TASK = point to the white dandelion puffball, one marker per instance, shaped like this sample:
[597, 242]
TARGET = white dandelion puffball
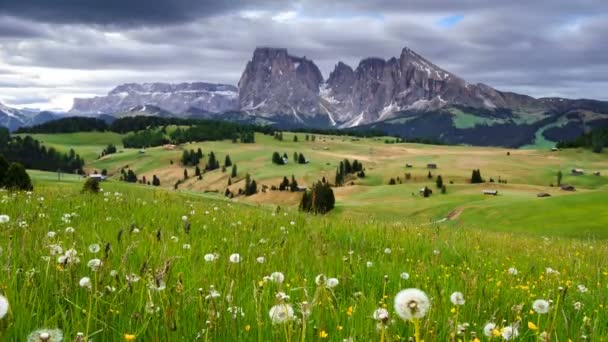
[235, 258]
[94, 248]
[69, 230]
[209, 257]
[85, 282]
[186, 246]
[277, 277]
[281, 313]
[4, 219]
[582, 288]
[405, 276]
[541, 306]
[387, 251]
[48, 335]
[332, 282]
[513, 271]
[51, 234]
[185, 218]
[94, 264]
[380, 315]
[369, 264]
[3, 306]
[488, 329]
[457, 298]
[411, 304]
[510, 332]
[260, 260]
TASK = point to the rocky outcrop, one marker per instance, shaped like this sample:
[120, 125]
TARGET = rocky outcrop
[276, 83]
[175, 98]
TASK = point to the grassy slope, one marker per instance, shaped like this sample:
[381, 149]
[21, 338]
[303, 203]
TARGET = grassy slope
[527, 171]
[438, 260]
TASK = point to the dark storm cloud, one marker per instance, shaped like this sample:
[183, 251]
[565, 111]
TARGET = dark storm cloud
[541, 48]
[125, 12]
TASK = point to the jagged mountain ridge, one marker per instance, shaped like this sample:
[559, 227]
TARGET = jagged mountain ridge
[175, 98]
[13, 118]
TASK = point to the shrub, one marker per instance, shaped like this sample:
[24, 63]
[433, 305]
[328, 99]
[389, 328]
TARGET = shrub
[319, 200]
[16, 178]
[91, 186]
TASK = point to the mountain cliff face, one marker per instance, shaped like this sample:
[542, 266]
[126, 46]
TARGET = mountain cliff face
[13, 119]
[275, 83]
[175, 98]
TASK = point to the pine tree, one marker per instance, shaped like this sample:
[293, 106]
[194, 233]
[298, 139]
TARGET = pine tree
[439, 182]
[295, 138]
[430, 175]
[294, 184]
[276, 158]
[227, 161]
[233, 174]
[559, 178]
[185, 158]
[301, 159]
[155, 181]
[197, 171]
[199, 153]
[185, 174]
[284, 184]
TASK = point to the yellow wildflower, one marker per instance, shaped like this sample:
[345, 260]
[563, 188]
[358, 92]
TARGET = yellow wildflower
[323, 334]
[532, 326]
[129, 337]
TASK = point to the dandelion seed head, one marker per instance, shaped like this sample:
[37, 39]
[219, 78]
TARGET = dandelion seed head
[411, 304]
[457, 298]
[488, 329]
[3, 306]
[281, 313]
[332, 282]
[85, 282]
[541, 306]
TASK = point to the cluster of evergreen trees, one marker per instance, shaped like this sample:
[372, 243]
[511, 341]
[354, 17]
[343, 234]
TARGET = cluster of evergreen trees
[192, 158]
[212, 163]
[595, 140]
[287, 185]
[13, 176]
[476, 177]
[346, 168]
[68, 125]
[319, 200]
[212, 131]
[278, 159]
[251, 187]
[145, 138]
[30, 153]
[128, 176]
[110, 149]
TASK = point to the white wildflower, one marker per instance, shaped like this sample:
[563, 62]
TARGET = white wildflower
[541, 306]
[235, 258]
[85, 282]
[510, 332]
[332, 282]
[488, 329]
[281, 313]
[3, 306]
[405, 276]
[411, 304]
[457, 298]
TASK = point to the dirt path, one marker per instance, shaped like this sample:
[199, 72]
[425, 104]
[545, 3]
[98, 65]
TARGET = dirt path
[454, 214]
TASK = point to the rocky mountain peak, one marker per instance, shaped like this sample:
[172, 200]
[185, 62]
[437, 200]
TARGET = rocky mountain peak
[275, 82]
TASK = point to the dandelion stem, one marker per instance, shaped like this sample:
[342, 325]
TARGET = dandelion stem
[417, 330]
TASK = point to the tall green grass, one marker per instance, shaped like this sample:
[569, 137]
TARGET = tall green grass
[143, 232]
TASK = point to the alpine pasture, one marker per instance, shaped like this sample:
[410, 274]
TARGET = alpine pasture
[137, 262]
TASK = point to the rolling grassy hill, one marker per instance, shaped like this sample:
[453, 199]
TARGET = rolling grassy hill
[516, 208]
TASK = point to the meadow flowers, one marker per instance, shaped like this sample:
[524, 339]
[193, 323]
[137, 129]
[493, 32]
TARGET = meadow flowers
[94, 264]
[3, 306]
[488, 329]
[332, 282]
[45, 335]
[4, 219]
[235, 258]
[85, 282]
[510, 332]
[411, 304]
[512, 271]
[380, 315]
[277, 277]
[405, 276]
[457, 298]
[209, 257]
[541, 306]
[281, 313]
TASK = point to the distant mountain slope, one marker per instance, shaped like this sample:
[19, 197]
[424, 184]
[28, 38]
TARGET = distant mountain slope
[174, 98]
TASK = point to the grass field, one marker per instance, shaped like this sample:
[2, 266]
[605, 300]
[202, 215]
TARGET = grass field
[516, 208]
[152, 265]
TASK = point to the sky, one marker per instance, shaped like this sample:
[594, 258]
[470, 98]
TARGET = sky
[53, 51]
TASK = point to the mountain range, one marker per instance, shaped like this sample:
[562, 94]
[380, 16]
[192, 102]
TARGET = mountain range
[407, 96]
